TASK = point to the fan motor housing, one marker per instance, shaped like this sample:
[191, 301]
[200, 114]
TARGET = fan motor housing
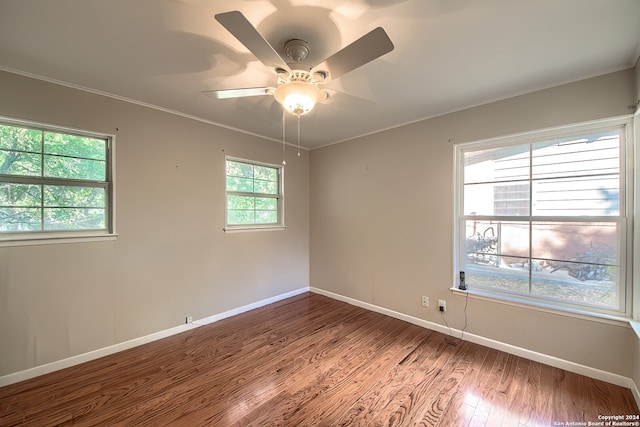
[297, 50]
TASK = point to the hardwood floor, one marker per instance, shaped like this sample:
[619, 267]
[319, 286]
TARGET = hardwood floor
[311, 361]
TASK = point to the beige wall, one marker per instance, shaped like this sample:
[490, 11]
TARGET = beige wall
[171, 257]
[381, 221]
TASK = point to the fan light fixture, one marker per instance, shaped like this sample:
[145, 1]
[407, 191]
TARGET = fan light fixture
[298, 97]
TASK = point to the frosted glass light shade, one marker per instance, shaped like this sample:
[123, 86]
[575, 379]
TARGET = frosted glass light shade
[297, 97]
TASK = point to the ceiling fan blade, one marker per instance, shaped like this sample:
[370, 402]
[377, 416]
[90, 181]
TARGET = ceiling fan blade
[333, 93]
[367, 48]
[238, 93]
[245, 32]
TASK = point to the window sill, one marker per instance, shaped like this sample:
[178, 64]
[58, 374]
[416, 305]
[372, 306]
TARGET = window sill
[242, 229]
[547, 308]
[54, 239]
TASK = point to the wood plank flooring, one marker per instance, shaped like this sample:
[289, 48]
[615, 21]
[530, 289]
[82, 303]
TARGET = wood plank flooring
[311, 361]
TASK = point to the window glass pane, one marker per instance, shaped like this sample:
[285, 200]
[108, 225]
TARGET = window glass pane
[584, 196]
[74, 219]
[240, 217]
[240, 210]
[240, 202]
[563, 243]
[20, 163]
[73, 168]
[509, 280]
[593, 154]
[578, 262]
[497, 164]
[266, 173]
[485, 239]
[239, 169]
[75, 146]
[266, 187]
[19, 195]
[20, 219]
[477, 199]
[564, 287]
[20, 139]
[244, 177]
[76, 197]
[266, 217]
[511, 199]
[497, 255]
[266, 203]
[239, 184]
[252, 210]
[503, 280]
[508, 199]
[481, 243]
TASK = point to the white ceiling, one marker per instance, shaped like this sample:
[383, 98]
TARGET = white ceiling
[449, 54]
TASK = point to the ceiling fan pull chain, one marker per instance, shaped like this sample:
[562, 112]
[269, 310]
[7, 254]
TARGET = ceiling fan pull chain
[284, 162]
[298, 136]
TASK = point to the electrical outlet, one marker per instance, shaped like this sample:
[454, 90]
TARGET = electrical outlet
[189, 319]
[442, 305]
[425, 301]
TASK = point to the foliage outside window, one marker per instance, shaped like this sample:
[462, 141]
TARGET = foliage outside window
[543, 218]
[53, 181]
[254, 194]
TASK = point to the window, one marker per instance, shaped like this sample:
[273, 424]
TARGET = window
[254, 195]
[544, 218]
[53, 182]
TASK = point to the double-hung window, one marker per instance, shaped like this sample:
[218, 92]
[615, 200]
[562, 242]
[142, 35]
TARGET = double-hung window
[54, 182]
[254, 195]
[545, 218]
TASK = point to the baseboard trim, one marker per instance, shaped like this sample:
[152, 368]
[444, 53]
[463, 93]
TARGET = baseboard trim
[487, 342]
[249, 307]
[106, 351]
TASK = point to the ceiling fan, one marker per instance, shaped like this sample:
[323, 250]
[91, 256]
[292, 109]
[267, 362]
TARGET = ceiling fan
[297, 83]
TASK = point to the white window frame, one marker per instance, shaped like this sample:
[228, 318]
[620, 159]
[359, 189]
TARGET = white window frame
[627, 199]
[280, 198]
[43, 237]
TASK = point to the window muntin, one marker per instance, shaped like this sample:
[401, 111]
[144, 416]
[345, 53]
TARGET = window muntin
[254, 195]
[53, 180]
[544, 220]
